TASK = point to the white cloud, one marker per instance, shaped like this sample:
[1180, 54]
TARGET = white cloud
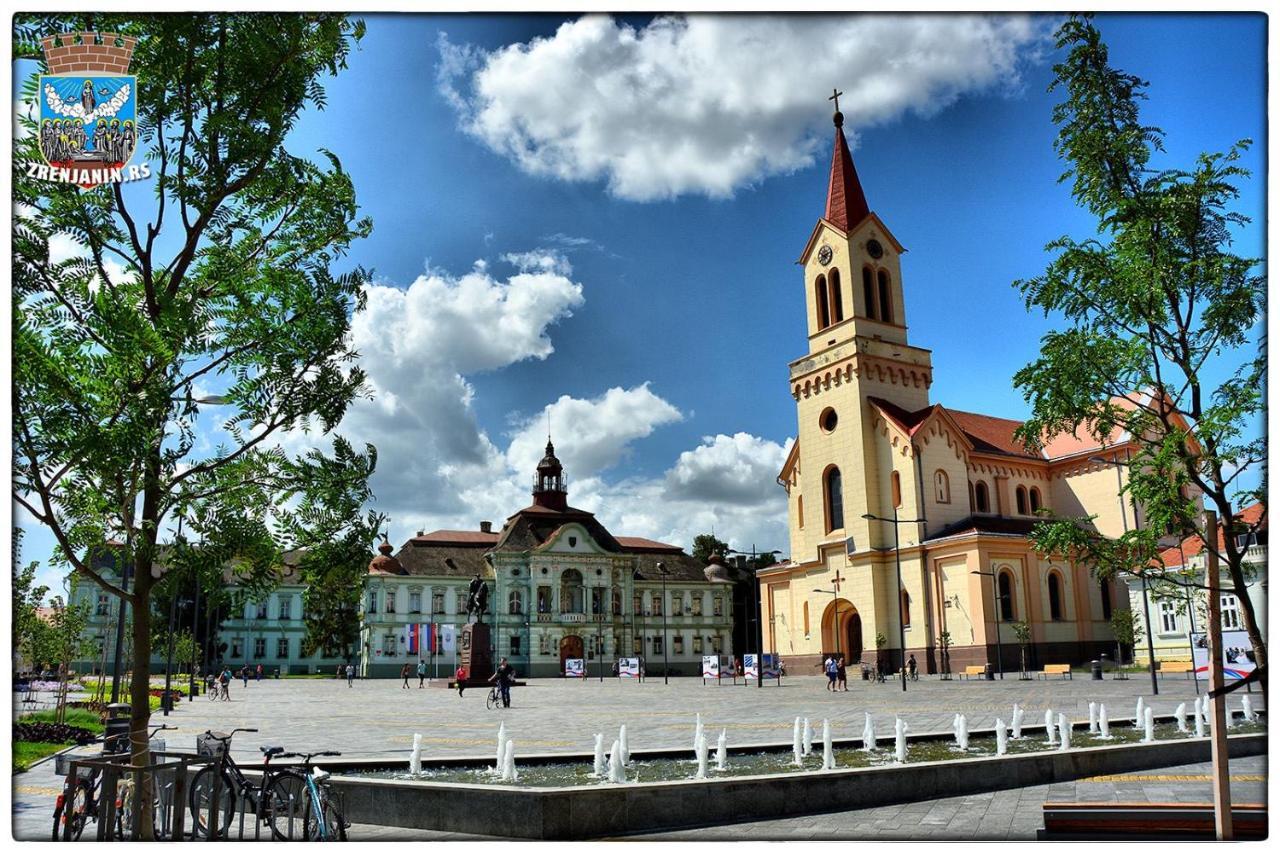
[706, 104]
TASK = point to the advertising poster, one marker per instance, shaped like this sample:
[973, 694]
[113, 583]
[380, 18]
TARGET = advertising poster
[750, 666]
[628, 667]
[575, 668]
[1237, 655]
[770, 666]
[710, 666]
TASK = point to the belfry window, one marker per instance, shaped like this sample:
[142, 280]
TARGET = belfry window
[980, 501]
[1021, 497]
[824, 309]
[836, 300]
[1035, 500]
[834, 499]
[886, 298]
[941, 487]
[869, 292]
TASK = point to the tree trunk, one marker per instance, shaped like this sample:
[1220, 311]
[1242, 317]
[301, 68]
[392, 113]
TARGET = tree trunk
[140, 697]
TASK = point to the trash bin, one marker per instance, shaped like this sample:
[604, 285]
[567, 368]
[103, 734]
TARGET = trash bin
[1097, 670]
[989, 673]
[166, 700]
[116, 734]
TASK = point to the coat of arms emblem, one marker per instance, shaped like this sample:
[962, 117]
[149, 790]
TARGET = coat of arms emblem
[88, 107]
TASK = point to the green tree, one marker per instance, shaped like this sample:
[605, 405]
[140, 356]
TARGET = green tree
[1022, 633]
[1127, 630]
[60, 639]
[1156, 306]
[28, 597]
[706, 544]
[219, 274]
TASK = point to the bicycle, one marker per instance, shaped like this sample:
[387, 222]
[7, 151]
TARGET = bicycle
[80, 799]
[494, 699]
[270, 799]
[323, 820]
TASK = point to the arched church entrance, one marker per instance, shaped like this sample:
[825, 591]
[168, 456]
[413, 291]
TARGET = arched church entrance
[570, 648]
[842, 630]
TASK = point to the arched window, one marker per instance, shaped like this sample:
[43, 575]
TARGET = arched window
[806, 618]
[800, 510]
[980, 501]
[1104, 589]
[835, 499]
[906, 609]
[869, 292]
[1035, 500]
[941, 487]
[1021, 498]
[837, 299]
[515, 602]
[1055, 596]
[886, 298]
[571, 597]
[1005, 594]
[820, 294]
[895, 484]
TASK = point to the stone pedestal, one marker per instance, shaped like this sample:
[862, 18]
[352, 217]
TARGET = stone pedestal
[474, 653]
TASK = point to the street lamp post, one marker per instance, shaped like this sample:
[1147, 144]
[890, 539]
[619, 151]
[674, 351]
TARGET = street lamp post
[662, 570]
[995, 616]
[897, 559]
[1146, 600]
[755, 637]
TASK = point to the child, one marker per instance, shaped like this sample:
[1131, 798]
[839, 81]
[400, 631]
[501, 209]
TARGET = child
[460, 675]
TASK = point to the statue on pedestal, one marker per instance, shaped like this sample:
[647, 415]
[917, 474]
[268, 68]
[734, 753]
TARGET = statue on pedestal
[477, 599]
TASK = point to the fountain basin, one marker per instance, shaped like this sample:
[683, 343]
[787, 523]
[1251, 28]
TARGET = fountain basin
[595, 811]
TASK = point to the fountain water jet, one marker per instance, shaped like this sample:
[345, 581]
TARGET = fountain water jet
[722, 751]
[962, 731]
[617, 766]
[502, 747]
[1104, 725]
[1002, 738]
[697, 732]
[1064, 733]
[797, 745]
[626, 750]
[828, 754]
[509, 762]
[1018, 714]
[599, 769]
[1180, 716]
[868, 734]
[1049, 727]
[899, 741]
[1137, 714]
[701, 750]
[1199, 721]
[1093, 718]
[1250, 715]
[1148, 726]
[808, 737]
[415, 757]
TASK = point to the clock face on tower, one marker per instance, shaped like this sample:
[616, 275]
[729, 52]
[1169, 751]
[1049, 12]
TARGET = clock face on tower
[874, 249]
[824, 255]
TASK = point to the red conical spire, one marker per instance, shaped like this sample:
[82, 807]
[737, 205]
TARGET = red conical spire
[846, 204]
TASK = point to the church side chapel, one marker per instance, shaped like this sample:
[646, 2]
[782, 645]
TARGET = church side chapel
[963, 491]
[560, 587]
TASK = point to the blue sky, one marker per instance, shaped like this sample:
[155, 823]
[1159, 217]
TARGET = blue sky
[664, 271]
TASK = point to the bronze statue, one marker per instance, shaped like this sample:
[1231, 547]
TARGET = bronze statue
[477, 598]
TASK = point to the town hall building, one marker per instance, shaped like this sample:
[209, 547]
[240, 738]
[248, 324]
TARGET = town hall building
[961, 490]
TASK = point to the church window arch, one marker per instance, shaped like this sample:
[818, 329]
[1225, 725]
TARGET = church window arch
[1104, 590]
[1055, 596]
[981, 501]
[571, 592]
[906, 609]
[800, 510]
[1021, 499]
[942, 486]
[1005, 595]
[805, 613]
[824, 307]
[833, 492]
[886, 297]
[837, 299]
[1035, 500]
[895, 486]
[869, 292]
[515, 602]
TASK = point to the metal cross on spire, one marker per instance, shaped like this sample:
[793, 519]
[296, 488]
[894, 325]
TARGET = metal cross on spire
[835, 96]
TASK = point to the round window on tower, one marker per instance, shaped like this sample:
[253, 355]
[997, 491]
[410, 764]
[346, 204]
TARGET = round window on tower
[828, 420]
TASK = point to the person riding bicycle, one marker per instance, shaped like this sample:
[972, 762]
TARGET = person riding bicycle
[911, 667]
[504, 675]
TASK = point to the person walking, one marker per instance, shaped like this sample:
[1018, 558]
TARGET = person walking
[504, 675]
[225, 693]
[351, 674]
[244, 674]
[404, 673]
[911, 667]
[258, 674]
[422, 674]
[832, 672]
[460, 676]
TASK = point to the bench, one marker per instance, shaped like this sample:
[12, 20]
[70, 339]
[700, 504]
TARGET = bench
[1184, 666]
[980, 671]
[1135, 821]
[1063, 669]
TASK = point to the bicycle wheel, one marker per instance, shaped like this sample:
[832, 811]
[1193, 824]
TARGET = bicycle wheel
[124, 814]
[285, 808]
[492, 701]
[73, 811]
[201, 801]
[335, 828]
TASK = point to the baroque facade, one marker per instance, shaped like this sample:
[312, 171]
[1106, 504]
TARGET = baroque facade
[960, 489]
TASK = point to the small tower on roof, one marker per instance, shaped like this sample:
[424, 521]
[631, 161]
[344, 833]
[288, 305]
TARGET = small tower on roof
[549, 483]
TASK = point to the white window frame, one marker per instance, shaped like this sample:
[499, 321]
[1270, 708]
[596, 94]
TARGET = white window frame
[1168, 617]
[1230, 613]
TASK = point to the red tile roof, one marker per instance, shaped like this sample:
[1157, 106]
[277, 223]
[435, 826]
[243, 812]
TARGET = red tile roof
[1193, 545]
[990, 434]
[457, 537]
[639, 543]
[846, 203]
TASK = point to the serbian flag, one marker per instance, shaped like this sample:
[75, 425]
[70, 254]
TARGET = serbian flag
[412, 635]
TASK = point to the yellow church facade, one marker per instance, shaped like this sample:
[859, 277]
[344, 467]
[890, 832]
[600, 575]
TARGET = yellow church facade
[964, 492]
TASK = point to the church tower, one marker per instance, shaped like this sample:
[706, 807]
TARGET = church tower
[858, 358]
[549, 489]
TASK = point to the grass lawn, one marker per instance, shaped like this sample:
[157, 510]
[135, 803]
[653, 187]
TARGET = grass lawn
[26, 754]
[77, 717]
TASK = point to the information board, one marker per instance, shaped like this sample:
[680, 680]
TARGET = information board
[575, 668]
[1237, 655]
[628, 667]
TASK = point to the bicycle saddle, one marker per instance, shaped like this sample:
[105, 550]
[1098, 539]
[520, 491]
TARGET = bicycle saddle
[271, 750]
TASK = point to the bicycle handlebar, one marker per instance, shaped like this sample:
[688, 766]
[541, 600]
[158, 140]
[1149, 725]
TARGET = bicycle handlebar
[161, 727]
